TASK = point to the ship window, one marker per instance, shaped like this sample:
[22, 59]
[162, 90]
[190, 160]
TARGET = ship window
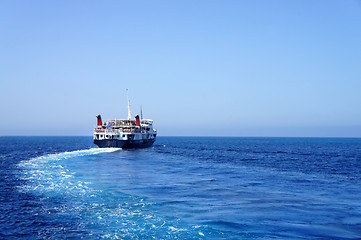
[124, 135]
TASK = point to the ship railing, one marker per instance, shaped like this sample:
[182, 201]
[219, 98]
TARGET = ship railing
[106, 130]
[133, 130]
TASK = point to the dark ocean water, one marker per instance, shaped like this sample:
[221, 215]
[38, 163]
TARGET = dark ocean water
[181, 188]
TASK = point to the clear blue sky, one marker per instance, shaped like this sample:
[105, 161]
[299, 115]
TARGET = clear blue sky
[198, 68]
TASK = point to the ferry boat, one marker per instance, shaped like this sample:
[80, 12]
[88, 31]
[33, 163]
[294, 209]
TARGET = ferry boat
[124, 133]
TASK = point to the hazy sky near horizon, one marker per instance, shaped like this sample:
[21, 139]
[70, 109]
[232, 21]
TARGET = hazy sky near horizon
[198, 68]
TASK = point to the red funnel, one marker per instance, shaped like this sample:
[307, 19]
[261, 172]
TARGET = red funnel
[99, 121]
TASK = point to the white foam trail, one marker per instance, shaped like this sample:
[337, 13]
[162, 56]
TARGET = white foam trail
[66, 155]
[46, 174]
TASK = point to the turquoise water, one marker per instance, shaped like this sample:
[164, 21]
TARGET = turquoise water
[181, 188]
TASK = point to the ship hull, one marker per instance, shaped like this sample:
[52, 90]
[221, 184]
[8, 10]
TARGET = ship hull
[115, 143]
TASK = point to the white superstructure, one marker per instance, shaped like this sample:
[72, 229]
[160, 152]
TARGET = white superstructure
[125, 129]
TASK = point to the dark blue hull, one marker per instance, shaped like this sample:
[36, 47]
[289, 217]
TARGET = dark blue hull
[115, 143]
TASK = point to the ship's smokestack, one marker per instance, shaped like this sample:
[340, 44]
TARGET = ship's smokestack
[137, 121]
[99, 118]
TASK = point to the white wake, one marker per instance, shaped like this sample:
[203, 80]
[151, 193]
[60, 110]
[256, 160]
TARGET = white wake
[47, 174]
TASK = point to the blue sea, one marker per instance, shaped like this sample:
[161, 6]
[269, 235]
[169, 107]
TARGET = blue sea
[181, 188]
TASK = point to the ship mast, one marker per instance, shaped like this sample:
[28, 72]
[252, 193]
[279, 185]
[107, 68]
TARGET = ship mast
[129, 114]
[141, 113]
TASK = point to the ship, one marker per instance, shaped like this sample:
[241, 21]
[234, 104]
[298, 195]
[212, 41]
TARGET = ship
[125, 133]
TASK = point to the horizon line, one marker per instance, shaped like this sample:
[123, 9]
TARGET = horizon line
[200, 136]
